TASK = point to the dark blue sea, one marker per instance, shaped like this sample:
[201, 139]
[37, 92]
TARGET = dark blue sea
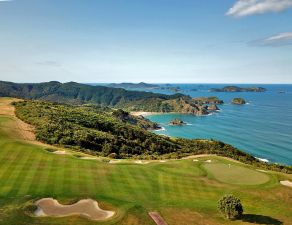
[262, 127]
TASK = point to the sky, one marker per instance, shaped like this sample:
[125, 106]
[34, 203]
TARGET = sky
[156, 41]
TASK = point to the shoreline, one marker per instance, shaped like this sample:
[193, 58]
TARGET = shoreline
[141, 113]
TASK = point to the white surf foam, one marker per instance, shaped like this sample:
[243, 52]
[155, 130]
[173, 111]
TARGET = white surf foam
[263, 160]
[161, 129]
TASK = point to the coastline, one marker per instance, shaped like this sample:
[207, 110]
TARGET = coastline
[140, 113]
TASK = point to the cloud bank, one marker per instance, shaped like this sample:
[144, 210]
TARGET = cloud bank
[252, 7]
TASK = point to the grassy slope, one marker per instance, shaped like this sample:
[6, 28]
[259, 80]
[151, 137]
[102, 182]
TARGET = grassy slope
[182, 191]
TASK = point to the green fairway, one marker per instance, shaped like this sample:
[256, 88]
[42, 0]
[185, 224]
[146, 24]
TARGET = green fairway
[182, 191]
[236, 174]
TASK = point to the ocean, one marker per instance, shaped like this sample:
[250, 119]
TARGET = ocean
[262, 127]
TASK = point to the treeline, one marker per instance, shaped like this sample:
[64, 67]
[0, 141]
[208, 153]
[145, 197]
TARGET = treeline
[106, 132]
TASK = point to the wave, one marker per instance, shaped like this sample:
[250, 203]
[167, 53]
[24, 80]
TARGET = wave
[263, 160]
[161, 129]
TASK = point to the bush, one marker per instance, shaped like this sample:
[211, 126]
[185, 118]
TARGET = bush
[230, 206]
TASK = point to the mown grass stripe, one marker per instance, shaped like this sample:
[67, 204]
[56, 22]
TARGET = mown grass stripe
[28, 186]
[50, 182]
[20, 174]
[8, 170]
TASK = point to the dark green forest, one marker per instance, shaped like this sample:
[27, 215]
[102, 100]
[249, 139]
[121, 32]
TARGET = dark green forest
[103, 131]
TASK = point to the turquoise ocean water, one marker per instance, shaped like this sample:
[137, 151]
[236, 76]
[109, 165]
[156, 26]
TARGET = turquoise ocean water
[263, 127]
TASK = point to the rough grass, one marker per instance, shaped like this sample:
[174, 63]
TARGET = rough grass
[183, 191]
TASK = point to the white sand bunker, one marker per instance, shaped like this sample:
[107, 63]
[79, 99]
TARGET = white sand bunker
[87, 208]
[60, 152]
[286, 183]
[208, 161]
[264, 171]
[115, 161]
[141, 162]
[88, 158]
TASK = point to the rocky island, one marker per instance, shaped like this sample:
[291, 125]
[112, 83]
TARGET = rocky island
[238, 89]
[208, 100]
[177, 122]
[238, 101]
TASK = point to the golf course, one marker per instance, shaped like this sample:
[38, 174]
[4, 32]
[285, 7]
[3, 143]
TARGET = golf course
[182, 191]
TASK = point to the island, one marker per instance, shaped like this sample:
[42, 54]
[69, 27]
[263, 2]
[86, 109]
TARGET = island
[208, 100]
[238, 101]
[238, 89]
[140, 85]
[177, 122]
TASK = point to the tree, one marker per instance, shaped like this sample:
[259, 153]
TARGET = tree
[230, 206]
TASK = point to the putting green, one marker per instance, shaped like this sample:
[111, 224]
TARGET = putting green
[235, 174]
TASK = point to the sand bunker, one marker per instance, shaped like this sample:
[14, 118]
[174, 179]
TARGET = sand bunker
[208, 161]
[264, 171]
[87, 208]
[88, 158]
[115, 161]
[286, 183]
[60, 152]
[195, 160]
[141, 162]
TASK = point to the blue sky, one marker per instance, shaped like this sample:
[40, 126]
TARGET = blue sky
[179, 41]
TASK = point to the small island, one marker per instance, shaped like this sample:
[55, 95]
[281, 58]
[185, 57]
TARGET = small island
[177, 122]
[140, 85]
[238, 101]
[238, 89]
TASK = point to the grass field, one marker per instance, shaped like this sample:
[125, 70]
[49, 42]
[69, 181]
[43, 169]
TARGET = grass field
[182, 191]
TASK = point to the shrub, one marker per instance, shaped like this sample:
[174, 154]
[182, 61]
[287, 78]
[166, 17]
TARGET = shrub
[230, 206]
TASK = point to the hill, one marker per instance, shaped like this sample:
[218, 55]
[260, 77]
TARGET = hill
[75, 93]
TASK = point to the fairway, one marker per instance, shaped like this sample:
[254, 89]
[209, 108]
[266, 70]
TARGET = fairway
[235, 174]
[182, 191]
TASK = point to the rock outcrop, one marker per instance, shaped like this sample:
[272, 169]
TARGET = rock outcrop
[213, 107]
[238, 101]
[177, 122]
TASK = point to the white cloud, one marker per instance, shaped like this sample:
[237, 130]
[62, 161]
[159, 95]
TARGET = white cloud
[278, 40]
[251, 7]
